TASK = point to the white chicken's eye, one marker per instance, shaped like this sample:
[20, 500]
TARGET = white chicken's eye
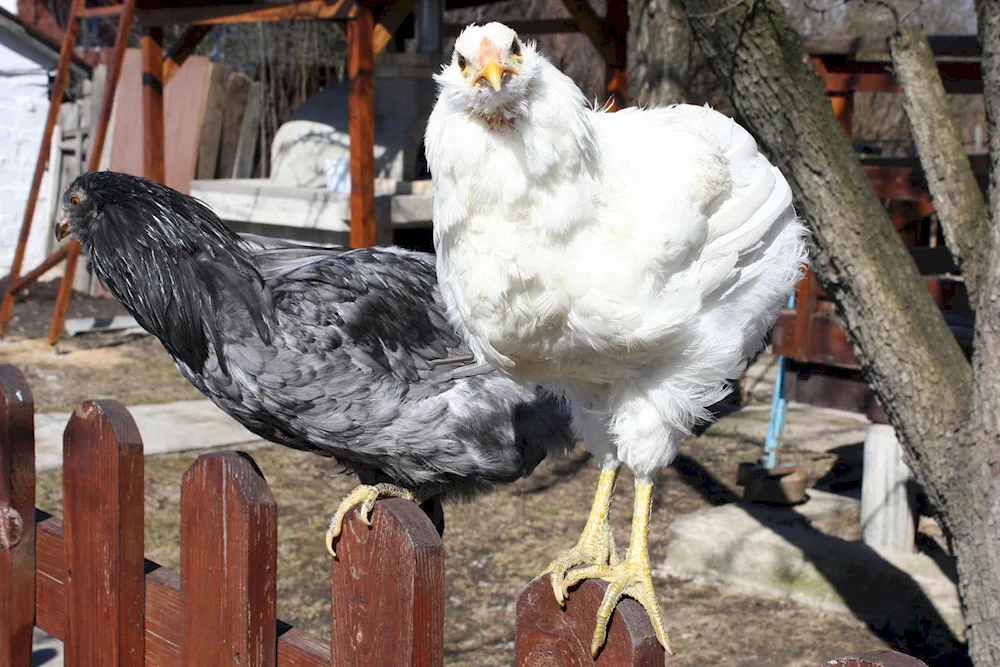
[515, 48]
[462, 63]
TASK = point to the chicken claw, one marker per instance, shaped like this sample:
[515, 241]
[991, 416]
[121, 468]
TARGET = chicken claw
[596, 545]
[629, 578]
[367, 495]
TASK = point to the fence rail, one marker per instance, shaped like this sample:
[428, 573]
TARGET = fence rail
[84, 580]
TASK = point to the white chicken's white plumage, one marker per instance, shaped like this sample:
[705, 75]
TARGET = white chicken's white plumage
[632, 262]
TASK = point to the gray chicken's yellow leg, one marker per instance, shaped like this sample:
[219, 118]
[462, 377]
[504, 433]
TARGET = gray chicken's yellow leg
[367, 495]
[596, 545]
[629, 578]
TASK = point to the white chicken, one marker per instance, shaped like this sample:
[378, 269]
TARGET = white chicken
[631, 262]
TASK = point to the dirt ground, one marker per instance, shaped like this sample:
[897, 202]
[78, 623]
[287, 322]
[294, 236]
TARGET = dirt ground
[529, 522]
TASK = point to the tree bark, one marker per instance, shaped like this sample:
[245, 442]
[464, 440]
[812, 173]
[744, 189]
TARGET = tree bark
[660, 53]
[907, 352]
[957, 198]
[978, 552]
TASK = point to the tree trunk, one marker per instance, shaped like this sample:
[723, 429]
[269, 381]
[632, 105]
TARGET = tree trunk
[660, 53]
[908, 354]
[957, 198]
[979, 557]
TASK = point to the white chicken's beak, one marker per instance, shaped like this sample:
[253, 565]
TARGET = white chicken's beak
[493, 72]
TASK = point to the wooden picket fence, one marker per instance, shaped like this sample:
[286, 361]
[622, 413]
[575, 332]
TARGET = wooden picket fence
[84, 580]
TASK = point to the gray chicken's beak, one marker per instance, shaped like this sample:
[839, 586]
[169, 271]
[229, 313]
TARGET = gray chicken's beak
[62, 228]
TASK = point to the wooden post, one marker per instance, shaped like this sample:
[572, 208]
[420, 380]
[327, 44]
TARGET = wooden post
[880, 658]
[103, 533]
[549, 636]
[58, 90]
[152, 104]
[127, 8]
[617, 72]
[361, 125]
[888, 517]
[387, 589]
[229, 562]
[17, 518]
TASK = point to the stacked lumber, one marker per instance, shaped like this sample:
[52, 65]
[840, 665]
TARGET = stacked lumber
[211, 122]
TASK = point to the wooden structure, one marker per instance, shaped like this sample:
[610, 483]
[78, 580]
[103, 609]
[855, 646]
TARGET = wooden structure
[221, 608]
[822, 368]
[370, 27]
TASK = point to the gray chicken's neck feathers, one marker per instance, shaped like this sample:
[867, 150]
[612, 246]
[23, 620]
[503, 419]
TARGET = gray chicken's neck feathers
[180, 272]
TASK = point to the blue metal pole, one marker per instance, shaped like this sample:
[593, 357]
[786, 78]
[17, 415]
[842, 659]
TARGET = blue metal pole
[779, 410]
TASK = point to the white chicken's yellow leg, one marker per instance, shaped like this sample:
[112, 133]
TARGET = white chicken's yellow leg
[367, 495]
[596, 545]
[631, 577]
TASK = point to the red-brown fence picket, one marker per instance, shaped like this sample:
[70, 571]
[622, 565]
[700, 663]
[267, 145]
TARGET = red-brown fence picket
[83, 578]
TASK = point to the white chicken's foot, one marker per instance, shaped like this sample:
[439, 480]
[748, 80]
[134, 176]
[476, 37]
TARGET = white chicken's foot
[629, 578]
[596, 545]
[367, 495]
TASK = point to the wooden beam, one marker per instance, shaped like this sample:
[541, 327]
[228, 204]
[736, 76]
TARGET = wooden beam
[388, 23]
[595, 28]
[59, 255]
[93, 162]
[184, 47]
[95, 12]
[153, 166]
[954, 47]
[58, 90]
[616, 77]
[528, 27]
[361, 126]
[248, 13]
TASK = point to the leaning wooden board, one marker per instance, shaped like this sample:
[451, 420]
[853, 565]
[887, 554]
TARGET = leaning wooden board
[184, 105]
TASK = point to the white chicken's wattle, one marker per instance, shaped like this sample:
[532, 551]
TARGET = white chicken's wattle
[632, 262]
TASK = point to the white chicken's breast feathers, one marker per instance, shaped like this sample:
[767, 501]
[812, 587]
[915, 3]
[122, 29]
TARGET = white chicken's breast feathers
[632, 261]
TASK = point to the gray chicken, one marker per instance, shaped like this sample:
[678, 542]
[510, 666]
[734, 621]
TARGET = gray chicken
[343, 353]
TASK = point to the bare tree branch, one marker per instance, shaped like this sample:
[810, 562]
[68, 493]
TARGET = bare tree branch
[957, 197]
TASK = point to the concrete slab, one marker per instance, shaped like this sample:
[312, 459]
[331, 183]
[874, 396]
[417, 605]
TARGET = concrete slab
[779, 551]
[165, 428]
[46, 650]
[806, 427]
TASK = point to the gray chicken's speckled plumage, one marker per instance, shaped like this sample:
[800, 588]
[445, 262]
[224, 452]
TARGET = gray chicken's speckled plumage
[345, 353]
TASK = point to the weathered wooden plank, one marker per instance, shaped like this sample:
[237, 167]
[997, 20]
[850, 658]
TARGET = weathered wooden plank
[361, 126]
[234, 106]
[229, 562]
[103, 540]
[164, 628]
[17, 518]
[211, 124]
[549, 635]
[387, 585]
[246, 147]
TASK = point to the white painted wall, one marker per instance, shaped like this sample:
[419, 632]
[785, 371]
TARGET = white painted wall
[23, 107]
